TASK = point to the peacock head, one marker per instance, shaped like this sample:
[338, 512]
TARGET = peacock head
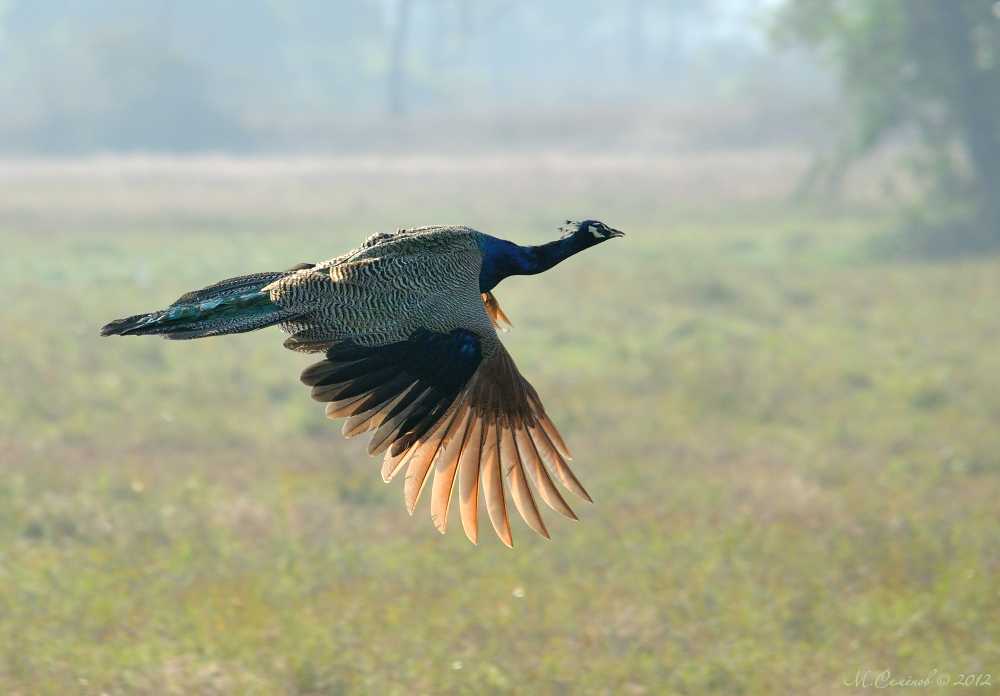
[589, 232]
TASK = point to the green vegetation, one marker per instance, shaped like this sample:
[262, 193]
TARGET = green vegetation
[926, 70]
[795, 453]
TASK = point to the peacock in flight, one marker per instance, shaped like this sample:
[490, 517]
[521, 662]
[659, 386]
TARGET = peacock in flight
[407, 325]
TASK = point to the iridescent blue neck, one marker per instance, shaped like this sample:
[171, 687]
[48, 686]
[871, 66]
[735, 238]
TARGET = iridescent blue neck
[502, 258]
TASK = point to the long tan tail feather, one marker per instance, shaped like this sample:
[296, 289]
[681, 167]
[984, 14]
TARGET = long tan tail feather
[540, 475]
[468, 479]
[519, 489]
[446, 467]
[393, 465]
[317, 371]
[550, 456]
[359, 423]
[416, 478]
[364, 420]
[558, 464]
[550, 430]
[332, 392]
[388, 429]
[496, 502]
[328, 392]
[416, 474]
[340, 409]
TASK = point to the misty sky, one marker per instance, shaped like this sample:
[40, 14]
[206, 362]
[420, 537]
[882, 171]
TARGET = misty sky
[80, 75]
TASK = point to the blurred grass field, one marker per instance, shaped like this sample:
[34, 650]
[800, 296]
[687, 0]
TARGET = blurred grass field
[794, 448]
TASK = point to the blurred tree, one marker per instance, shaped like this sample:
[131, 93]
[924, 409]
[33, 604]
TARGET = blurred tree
[927, 67]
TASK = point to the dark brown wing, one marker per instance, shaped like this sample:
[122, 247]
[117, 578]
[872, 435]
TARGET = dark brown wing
[435, 403]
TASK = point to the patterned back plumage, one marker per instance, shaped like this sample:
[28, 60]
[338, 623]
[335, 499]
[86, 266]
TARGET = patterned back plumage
[386, 289]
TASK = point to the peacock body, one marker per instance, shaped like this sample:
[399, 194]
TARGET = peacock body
[406, 322]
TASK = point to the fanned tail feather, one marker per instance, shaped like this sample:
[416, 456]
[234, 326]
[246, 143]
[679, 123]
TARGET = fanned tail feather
[437, 406]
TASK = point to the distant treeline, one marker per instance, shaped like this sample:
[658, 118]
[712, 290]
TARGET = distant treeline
[182, 75]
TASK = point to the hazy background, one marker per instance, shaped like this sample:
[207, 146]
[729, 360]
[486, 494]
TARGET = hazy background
[309, 76]
[782, 388]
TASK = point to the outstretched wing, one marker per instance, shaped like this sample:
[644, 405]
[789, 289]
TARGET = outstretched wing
[435, 402]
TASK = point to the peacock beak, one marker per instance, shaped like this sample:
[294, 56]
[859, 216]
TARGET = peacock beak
[616, 233]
